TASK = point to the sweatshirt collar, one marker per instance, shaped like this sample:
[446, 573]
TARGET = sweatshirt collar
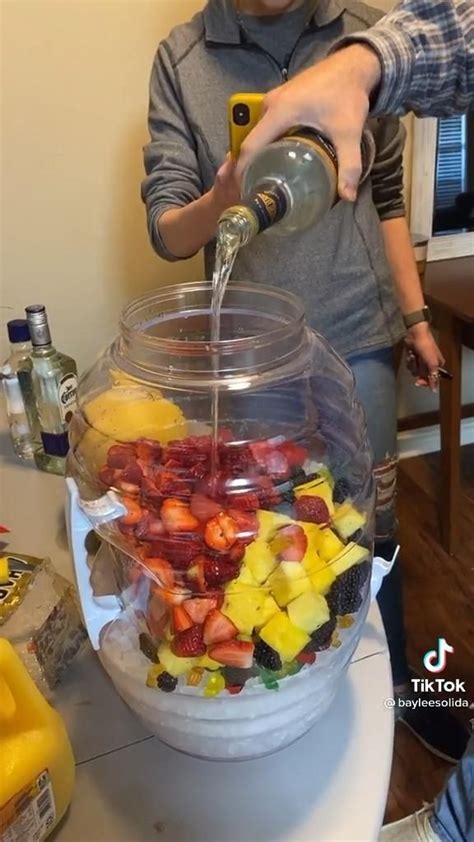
[221, 25]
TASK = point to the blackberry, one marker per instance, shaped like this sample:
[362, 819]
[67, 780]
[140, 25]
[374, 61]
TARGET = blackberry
[167, 682]
[266, 657]
[345, 595]
[321, 638]
[341, 490]
[148, 647]
[298, 477]
[356, 536]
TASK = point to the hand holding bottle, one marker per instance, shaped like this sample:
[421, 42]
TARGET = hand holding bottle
[331, 97]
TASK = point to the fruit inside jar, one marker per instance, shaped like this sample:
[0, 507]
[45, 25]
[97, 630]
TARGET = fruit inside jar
[239, 580]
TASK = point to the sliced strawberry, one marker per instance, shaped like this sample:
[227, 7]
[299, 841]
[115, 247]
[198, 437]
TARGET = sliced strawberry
[149, 529]
[199, 607]
[219, 571]
[247, 523]
[180, 619]
[221, 532]
[204, 508]
[277, 465]
[156, 617]
[189, 643]
[148, 450]
[177, 516]
[295, 455]
[132, 473]
[171, 596]
[236, 552]
[290, 543]
[109, 476]
[150, 491]
[218, 628]
[161, 570]
[234, 689]
[313, 509]
[195, 575]
[120, 455]
[246, 502]
[135, 513]
[128, 488]
[180, 550]
[233, 653]
[171, 485]
[260, 451]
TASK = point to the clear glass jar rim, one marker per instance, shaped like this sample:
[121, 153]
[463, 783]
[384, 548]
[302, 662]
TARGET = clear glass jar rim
[293, 311]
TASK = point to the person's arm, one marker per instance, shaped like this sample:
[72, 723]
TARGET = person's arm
[180, 218]
[334, 95]
[387, 192]
[419, 339]
[426, 53]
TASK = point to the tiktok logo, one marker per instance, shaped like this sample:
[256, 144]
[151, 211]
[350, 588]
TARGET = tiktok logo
[435, 659]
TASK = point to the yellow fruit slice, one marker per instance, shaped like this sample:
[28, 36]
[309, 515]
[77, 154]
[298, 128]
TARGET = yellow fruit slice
[308, 611]
[288, 581]
[260, 560]
[322, 580]
[284, 637]
[269, 522]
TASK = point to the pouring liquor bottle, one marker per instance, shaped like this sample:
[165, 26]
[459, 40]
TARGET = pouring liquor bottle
[289, 186]
[54, 378]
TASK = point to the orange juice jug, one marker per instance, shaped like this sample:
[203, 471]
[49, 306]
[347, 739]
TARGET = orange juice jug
[36, 759]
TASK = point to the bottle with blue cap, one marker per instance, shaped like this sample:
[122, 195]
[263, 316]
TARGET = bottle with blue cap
[22, 436]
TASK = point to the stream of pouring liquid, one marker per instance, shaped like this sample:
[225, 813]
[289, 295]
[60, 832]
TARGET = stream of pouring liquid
[227, 248]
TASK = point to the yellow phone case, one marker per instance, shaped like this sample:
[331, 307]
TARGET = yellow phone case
[244, 111]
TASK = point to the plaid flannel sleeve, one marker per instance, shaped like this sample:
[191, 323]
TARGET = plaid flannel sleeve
[426, 51]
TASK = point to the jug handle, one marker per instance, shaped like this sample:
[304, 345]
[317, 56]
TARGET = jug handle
[97, 610]
[380, 568]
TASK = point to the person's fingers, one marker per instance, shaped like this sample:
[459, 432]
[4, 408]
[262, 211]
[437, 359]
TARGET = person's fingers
[350, 165]
[433, 380]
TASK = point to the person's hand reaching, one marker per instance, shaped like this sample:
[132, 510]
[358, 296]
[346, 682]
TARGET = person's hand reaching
[332, 97]
[226, 188]
[423, 356]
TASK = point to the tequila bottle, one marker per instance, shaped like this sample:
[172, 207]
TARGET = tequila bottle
[54, 379]
[21, 433]
[289, 186]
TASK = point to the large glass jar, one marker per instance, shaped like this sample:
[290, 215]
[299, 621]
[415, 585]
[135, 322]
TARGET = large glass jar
[231, 486]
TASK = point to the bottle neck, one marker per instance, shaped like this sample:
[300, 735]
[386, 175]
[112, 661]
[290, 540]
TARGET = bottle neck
[19, 348]
[266, 206]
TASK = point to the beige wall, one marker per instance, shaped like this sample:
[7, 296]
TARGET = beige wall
[74, 99]
[74, 89]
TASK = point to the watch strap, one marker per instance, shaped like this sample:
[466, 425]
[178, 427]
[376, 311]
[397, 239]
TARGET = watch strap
[418, 316]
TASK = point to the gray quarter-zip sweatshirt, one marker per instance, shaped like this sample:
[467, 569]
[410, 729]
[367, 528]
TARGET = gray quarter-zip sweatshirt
[338, 268]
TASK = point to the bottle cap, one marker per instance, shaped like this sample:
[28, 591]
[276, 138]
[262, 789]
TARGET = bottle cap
[18, 330]
[38, 324]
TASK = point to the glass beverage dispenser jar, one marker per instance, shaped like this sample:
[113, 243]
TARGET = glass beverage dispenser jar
[231, 486]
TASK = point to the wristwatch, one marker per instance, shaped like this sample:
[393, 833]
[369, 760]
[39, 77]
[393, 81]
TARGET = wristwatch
[423, 315]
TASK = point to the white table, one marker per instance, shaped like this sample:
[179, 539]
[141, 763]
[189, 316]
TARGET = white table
[331, 786]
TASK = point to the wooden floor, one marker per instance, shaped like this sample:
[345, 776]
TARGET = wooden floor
[439, 602]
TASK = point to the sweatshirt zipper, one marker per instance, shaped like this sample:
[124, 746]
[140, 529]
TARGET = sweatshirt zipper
[285, 69]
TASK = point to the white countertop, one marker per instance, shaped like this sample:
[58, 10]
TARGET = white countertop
[330, 786]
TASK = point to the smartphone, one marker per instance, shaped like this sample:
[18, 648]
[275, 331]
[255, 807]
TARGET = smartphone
[244, 112]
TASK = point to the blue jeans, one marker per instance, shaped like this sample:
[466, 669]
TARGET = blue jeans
[453, 816]
[376, 389]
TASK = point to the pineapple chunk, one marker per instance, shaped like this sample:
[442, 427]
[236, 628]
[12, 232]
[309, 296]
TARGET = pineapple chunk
[245, 579]
[260, 560]
[269, 608]
[348, 520]
[311, 560]
[352, 554]
[269, 522]
[309, 611]
[245, 608]
[284, 637]
[288, 581]
[317, 488]
[322, 580]
[173, 664]
[328, 544]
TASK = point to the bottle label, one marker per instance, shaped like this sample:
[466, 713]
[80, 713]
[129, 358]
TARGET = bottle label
[31, 814]
[55, 444]
[67, 392]
[269, 207]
